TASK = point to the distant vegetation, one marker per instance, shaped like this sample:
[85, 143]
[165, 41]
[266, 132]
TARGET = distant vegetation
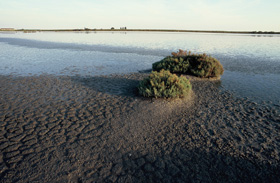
[184, 62]
[265, 32]
[7, 29]
[147, 30]
[163, 84]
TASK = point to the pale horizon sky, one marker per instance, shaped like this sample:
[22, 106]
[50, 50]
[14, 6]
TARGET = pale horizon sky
[235, 15]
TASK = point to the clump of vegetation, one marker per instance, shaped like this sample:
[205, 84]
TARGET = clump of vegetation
[164, 84]
[184, 62]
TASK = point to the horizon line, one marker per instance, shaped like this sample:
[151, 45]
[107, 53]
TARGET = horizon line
[142, 30]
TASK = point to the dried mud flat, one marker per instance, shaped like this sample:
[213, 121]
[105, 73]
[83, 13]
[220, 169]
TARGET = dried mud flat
[96, 129]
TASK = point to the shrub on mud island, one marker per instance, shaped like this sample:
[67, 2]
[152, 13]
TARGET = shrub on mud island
[164, 84]
[184, 62]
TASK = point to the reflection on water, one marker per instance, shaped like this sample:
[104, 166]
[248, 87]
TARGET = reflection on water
[251, 62]
[226, 44]
[258, 87]
[18, 60]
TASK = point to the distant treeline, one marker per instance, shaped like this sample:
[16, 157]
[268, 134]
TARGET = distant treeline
[144, 30]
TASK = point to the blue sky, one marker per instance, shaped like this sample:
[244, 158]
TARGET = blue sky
[243, 15]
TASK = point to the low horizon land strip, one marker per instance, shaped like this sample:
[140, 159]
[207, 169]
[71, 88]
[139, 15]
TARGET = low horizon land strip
[139, 30]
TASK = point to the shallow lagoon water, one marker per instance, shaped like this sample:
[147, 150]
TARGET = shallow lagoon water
[252, 63]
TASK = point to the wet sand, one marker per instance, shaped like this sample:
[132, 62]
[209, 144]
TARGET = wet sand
[96, 129]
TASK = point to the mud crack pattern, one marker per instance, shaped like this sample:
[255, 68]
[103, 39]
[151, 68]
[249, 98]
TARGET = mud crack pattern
[96, 129]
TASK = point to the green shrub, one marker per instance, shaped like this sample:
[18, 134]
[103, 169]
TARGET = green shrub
[184, 62]
[163, 84]
[172, 64]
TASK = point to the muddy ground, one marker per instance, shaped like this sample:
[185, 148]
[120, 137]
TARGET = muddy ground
[96, 129]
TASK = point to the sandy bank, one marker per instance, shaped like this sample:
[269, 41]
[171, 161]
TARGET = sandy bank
[76, 129]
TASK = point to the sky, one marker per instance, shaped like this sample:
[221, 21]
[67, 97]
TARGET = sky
[235, 15]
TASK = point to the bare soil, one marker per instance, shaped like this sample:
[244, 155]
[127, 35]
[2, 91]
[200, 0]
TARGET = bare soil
[97, 129]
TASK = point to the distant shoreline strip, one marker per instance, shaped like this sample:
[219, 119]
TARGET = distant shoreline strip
[138, 30]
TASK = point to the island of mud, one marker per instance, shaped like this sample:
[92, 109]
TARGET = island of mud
[97, 129]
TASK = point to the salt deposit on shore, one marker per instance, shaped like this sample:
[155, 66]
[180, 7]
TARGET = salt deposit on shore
[87, 129]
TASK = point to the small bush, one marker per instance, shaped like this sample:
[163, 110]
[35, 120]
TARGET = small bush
[163, 84]
[184, 62]
[172, 64]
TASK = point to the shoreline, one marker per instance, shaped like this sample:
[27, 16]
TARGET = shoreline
[138, 30]
[96, 129]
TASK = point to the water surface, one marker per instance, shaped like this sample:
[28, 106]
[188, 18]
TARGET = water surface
[251, 62]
